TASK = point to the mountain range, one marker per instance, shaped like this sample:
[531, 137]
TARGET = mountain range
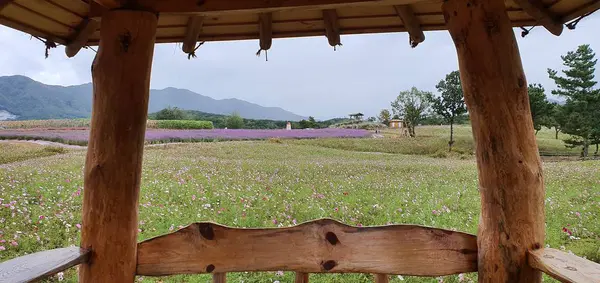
[27, 99]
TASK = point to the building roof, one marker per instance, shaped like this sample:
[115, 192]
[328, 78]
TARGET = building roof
[61, 21]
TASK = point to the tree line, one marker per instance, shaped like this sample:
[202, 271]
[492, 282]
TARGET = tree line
[235, 121]
[578, 117]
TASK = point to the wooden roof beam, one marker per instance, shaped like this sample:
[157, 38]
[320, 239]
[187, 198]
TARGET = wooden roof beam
[411, 23]
[536, 9]
[85, 30]
[332, 27]
[194, 27]
[265, 25]
[111, 4]
[220, 7]
[4, 3]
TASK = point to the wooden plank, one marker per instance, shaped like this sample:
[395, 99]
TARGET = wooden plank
[52, 11]
[37, 266]
[564, 267]
[220, 7]
[4, 3]
[332, 27]
[511, 183]
[301, 277]
[381, 278]
[330, 247]
[87, 28]
[111, 4]
[536, 9]
[30, 30]
[589, 8]
[219, 277]
[37, 21]
[193, 30]
[411, 23]
[112, 173]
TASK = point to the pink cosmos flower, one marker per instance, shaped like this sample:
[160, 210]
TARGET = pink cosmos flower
[193, 197]
[274, 221]
[78, 226]
[42, 217]
[14, 243]
[578, 214]
[2, 248]
[294, 221]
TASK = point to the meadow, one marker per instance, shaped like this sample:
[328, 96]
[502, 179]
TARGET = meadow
[277, 183]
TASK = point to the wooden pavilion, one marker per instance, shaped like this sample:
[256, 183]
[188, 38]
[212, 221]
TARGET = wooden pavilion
[509, 246]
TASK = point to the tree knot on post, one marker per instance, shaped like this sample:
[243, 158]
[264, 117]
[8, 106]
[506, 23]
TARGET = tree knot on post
[125, 41]
[328, 265]
[206, 231]
[332, 238]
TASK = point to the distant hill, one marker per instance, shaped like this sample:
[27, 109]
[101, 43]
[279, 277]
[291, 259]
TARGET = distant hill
[28, 99]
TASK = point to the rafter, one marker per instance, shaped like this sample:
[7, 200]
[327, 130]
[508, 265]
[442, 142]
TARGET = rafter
[85, 30]
[411, 23]
[4, 3]
[265, 25]
[332, 27]
[111, 4]
[194, 27]
[536, 9]
[219, 7]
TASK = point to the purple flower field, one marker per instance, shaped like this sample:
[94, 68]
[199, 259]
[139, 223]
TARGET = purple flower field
[80, 136]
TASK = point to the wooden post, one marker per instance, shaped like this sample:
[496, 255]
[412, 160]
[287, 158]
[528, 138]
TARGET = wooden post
[510, 174]
[121, 77]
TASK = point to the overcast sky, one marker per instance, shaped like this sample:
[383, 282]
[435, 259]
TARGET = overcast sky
[305, 75]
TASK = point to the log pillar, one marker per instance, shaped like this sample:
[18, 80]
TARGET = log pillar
[510, 174]
[121, 78]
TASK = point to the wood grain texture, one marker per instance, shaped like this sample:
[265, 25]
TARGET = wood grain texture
[332, 27]
[536, 9]
[194, 28]
[86, 29]
[219, 277]
[4, 3]
[301, 277]
[564, 267]
[265, 27]
[326, 245]
[411, 23]
[509, 168]
[381, 278]
[220, 7]
[37, 266]
[121, 78]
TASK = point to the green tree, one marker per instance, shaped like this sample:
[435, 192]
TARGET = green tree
[451, 103]
[234, 121]
[412, 105]
[582, 107]
[311, 123]
[555, 119]
[384, 116]
[541, 109]
[171, 114]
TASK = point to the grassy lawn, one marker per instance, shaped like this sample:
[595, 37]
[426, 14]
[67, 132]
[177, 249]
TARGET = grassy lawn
[17, 151]
[433, 141]
[274, 184]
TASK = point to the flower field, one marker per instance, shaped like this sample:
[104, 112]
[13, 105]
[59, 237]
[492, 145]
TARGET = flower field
[80, 136]
[259, 183]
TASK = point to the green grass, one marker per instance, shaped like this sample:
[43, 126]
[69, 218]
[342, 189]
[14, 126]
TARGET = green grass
[433, 141]
[285, 182]
[16, 151]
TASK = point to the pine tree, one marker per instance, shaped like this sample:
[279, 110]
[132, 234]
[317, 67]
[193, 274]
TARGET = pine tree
[541, 109]
[582, 108]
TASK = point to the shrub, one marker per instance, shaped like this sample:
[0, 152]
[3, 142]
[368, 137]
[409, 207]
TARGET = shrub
[235, 121]
[183, 124]
[365, 125]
